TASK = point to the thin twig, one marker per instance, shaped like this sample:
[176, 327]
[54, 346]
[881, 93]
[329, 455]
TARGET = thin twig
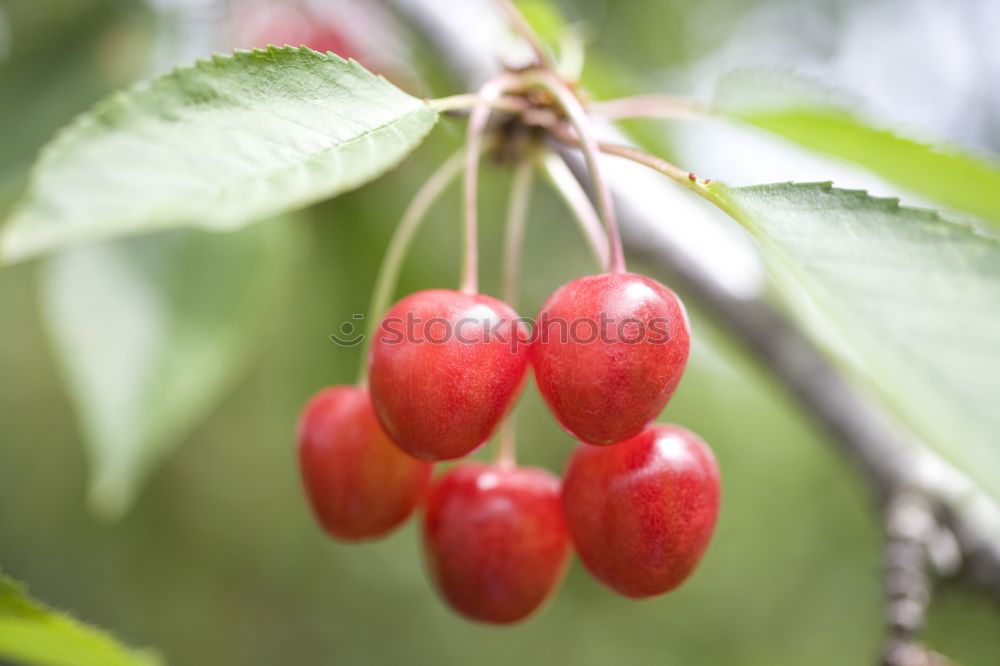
[399, 244]
[648, 106]
[680, 176]
[468, 101]
[568, 187]
[588, 144]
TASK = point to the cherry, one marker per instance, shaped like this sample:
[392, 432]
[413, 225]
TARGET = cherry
[608, 354]
[495, 539]
[445, 368]
[263, 23]
[360, 485]
[642, 512]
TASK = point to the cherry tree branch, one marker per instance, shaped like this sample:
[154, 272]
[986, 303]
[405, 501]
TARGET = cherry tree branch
[909, 529]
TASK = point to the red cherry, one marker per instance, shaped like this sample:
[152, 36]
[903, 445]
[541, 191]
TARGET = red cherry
[445, 367]
[495, 539]
[642, 512]
[263, 23]
[359, 483]
[608, 354]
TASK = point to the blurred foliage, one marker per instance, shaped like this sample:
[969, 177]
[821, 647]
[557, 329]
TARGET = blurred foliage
[221, 563]
[882, 285]
[39, 635]
[179, 313]
[802, 111]
[64, 55]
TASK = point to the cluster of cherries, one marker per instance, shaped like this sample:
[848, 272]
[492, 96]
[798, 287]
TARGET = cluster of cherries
[637, 501]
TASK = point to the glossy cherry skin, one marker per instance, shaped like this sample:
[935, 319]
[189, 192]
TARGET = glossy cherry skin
[608, 354]
[495, 539]
[641, 512]
[359, 483]
[445, 367]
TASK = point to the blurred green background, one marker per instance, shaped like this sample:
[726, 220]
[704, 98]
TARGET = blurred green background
[219, 560]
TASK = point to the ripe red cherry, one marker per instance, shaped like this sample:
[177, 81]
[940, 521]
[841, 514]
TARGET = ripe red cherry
[495, 539]
[261, 23]
[608, 354]
[360, 485]
[642, 512]
[445, 368]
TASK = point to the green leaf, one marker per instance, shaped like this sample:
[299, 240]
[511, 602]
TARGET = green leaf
[801, 111]
[226, 142]
[33, 634]
[911, 301]
[149, 332]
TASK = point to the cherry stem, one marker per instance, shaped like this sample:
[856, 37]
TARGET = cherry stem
[507, 451]
[523, 28]
[467, 101]
[568, 187]
[647, 106]
[399, 245]
[517, 217]
[591, 153]
[478, 120]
